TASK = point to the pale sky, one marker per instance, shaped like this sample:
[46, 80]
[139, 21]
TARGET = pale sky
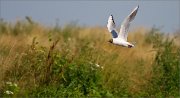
[161, 13]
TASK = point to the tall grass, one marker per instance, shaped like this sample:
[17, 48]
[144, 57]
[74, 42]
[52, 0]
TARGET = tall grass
[74, 61]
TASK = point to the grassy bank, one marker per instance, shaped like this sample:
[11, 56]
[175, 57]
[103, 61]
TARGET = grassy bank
[74, 61]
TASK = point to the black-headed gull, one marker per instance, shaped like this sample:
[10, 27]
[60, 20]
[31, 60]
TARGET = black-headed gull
[121, 38]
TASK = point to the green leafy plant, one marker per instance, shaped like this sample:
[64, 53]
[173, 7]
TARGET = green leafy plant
[10, 89]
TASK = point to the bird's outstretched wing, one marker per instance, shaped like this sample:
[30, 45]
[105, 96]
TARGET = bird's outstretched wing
[126, 23]
[111, 27]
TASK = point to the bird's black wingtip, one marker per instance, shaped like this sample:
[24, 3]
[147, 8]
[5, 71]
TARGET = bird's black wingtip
[138, 6]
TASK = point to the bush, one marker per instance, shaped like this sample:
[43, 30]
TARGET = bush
[165, 80]
[49, 73]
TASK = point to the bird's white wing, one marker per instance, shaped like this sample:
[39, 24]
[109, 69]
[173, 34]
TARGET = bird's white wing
[111, 27]
[126, 23]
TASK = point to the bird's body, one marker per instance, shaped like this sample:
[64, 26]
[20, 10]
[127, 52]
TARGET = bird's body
[121, 38]
[122, 42]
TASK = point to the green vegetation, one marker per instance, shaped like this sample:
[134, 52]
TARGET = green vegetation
[73, 61]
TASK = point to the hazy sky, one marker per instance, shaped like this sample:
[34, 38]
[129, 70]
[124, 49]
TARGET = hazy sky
[165, 14]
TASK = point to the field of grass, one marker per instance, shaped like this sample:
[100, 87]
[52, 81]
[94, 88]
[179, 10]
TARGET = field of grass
[75, 61]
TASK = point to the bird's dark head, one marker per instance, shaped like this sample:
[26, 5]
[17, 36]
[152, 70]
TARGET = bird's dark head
[111, 41]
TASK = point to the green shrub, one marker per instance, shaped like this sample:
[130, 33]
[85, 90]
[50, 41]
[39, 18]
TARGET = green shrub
[75, 78]
[165, 80]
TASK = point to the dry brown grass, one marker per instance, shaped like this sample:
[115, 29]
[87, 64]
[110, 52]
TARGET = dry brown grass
[132, 67]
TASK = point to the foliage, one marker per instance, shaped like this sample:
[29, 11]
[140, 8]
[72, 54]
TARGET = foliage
[11, 89]
[75, 61]
[166, 70]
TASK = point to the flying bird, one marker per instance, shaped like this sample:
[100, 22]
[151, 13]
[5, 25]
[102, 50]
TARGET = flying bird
[121, 37]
